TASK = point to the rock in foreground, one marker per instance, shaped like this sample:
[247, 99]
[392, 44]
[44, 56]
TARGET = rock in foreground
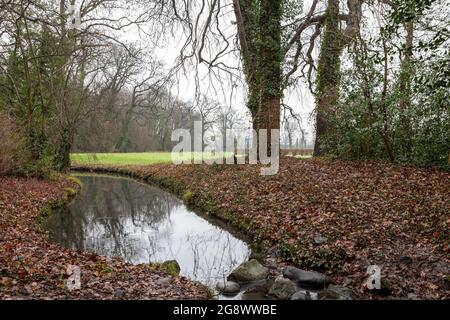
[304, 295]
[336, 293]
[282, 288]
[249, 271]
[228, 287]
[306, 279]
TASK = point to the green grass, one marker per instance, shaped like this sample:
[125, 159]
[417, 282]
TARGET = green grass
[303, 157]
[141, 158]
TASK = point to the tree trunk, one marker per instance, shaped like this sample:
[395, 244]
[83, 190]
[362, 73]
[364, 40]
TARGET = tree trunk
[62, 157]
[405, 88]
[270, 68]
[259, 33]
[123, 143]
[328, 74]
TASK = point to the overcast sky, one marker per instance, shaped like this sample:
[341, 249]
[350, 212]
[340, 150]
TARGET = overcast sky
[300, 98]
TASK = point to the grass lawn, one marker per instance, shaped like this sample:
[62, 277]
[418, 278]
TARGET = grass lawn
[141, 158]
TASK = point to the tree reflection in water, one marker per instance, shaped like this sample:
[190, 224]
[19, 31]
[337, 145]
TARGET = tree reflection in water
[121, 217]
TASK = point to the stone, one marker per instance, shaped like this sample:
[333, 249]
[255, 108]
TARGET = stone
[172, 267]
[249, 271]
[24, 291]
[336, 293]
[444, 284]
[282, 288]
[406, 260]
[256, 289]
[306, 279]
[254, 295]
[258, 285]
[318, 240]
[119, 294]
[228, 287]
[304, 295]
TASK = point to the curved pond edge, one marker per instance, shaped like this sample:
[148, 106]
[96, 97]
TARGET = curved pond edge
[69, 194]
[273, 256]
[50, 206]
[236, 227]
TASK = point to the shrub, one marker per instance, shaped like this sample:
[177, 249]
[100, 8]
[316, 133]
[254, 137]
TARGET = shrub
[16, 154]
[12, 145]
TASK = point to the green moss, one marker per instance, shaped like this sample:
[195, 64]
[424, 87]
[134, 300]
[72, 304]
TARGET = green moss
[210, 293]
[102, 267]
[74, 180]
[170, 267]
[50, 206]
[188, 197]
[47, 210]
[69, 193]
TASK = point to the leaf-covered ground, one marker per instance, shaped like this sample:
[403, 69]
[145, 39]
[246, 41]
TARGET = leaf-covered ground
[372, 213]
[32, 267]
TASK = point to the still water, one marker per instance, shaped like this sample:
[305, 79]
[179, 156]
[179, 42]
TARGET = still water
[124, 218]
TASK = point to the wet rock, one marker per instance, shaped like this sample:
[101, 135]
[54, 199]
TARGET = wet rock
[304, 295]
[444, 284]
[258, 286]
[336, 293]
[249, 271]
[254, 295]
[228, 287]
[24, 291]
[306, 279]
[119, 294]
[318, 240]
[282, 288]
[406, 260]
[172, 267]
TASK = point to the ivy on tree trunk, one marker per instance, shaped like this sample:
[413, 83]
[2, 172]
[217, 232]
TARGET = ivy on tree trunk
[259, 33]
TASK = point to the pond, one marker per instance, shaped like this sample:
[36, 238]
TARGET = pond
[140, 223]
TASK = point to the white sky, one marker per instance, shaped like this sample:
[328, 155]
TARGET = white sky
[299, 99]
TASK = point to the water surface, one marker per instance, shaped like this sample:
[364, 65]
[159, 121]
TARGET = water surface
[140, 223]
